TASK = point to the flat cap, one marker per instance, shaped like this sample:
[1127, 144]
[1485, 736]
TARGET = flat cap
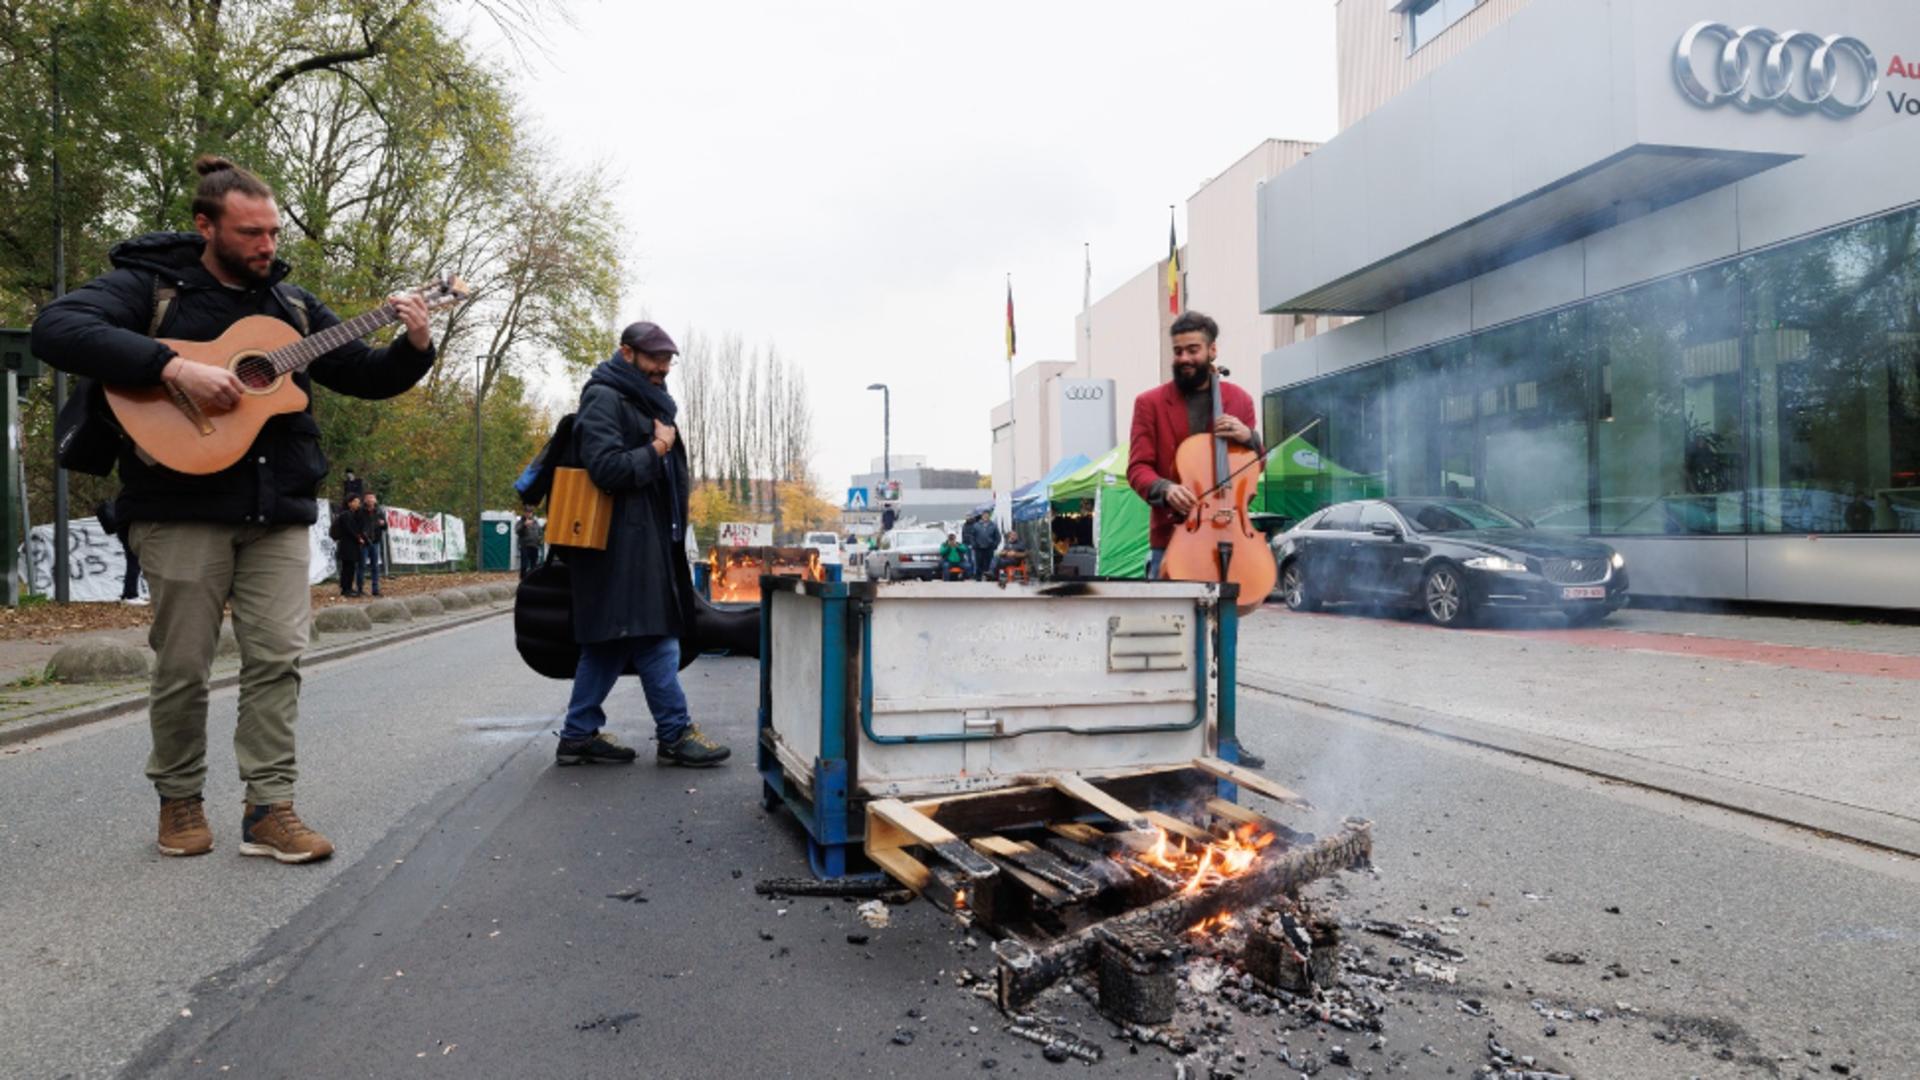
[648, 338]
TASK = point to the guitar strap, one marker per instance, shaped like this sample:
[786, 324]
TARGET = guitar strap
[294, 306]
[163, 297]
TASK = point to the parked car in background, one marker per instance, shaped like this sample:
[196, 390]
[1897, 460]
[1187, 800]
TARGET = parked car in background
[1450, 559]
[827, 544]
[906, 553]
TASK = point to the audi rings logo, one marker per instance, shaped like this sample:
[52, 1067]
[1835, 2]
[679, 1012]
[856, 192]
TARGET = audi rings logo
[1796, 72]
[1086, 393]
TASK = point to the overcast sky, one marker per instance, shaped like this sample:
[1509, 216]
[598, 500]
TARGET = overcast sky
[853, 181]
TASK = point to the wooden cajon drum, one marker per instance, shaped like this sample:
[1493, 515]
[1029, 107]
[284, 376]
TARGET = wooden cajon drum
[577, 512]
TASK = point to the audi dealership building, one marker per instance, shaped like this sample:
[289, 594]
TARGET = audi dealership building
[1647, 270]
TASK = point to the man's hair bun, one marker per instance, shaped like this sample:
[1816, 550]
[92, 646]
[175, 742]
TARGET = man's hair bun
[208, 164]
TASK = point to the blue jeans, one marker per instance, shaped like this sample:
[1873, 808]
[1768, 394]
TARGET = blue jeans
[1153, 563]
[657, 659]
[371, 563]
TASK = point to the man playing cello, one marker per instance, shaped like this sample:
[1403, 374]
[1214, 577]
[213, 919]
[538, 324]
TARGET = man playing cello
[1164, 416]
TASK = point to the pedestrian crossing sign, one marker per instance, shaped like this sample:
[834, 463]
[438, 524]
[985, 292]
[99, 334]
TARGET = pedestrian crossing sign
[857, 498]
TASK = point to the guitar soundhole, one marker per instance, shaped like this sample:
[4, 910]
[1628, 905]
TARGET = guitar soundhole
[255, 372]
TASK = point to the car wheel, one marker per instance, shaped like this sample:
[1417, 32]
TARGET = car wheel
[1293, 588]
[1443, 596]
[1586, 616]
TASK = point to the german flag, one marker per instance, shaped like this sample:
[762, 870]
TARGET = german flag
[1010, 344]
[1173, 266]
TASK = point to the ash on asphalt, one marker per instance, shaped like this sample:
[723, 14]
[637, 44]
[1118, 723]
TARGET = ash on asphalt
[603, 922]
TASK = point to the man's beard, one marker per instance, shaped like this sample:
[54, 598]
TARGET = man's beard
[1189, 377]
[237, 267]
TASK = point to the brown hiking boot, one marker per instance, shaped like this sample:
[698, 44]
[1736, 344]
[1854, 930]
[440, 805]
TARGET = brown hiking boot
[183, 827]
[277, 831]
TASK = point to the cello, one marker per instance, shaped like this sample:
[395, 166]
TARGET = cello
[1218, 542]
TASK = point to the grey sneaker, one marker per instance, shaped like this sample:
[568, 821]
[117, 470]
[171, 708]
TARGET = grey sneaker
[599, 748]
[692, 749]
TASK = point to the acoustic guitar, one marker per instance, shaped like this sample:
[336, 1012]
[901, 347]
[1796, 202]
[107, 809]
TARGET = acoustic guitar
[263, 352]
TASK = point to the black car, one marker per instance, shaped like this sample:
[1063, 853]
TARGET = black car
[1448, 558]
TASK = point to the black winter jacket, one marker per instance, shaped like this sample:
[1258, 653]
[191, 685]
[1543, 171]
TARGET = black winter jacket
[100, 331]
[641, 585]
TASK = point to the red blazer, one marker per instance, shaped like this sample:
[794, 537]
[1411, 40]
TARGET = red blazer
[1159, 424]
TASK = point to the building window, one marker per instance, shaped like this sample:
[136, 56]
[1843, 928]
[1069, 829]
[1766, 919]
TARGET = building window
[1777, 393]
[1428, 19]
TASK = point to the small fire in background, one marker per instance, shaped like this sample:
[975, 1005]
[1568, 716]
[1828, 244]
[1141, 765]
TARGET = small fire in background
[733, 574]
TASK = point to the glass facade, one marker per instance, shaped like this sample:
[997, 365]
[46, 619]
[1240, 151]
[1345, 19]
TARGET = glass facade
[1774, 393]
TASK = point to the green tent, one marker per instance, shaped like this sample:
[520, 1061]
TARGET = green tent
[1120, 517]
[1299, 481]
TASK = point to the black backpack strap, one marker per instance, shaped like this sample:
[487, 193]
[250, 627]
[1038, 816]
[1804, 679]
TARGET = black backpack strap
[295, 306]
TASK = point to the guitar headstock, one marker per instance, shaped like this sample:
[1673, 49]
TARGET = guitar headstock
[448, 290]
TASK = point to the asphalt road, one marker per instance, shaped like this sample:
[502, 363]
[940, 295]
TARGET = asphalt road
[491, 916]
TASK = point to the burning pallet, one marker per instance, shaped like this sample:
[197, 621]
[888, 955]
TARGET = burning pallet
[733, 573]
[1069, 876]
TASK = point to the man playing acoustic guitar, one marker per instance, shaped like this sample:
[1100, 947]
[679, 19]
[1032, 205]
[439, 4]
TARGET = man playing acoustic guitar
[238, 534]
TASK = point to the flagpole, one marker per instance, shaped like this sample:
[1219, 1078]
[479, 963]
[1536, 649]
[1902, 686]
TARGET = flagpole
[1086, 308]
[1013, 411]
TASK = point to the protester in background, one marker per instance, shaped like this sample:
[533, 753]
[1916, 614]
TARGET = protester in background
[238, 536]
[1013, 554]
[986, 538]
[887, 517]
[633, 600]
[373, 536]
[953, 558]
[528, 535]
[352, 486]
[346, 546]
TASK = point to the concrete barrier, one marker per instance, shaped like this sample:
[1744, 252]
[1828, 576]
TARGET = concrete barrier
[424, 606]
[454, 599]
[389, 611]
[342, 619]
[91, 660]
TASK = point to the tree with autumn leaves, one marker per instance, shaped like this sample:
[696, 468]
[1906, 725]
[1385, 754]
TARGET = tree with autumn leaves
[399, 155]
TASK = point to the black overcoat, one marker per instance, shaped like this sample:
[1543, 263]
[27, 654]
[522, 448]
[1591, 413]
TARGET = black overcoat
[641, 585]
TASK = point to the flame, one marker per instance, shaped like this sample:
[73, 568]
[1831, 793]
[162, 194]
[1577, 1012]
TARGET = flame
[1214, 862]
[734, 577]
[1215, 924]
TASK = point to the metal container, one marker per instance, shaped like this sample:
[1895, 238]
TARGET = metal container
[911, 690]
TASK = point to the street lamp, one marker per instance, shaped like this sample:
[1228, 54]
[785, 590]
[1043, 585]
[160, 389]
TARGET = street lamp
[479, 534]
[886, 430]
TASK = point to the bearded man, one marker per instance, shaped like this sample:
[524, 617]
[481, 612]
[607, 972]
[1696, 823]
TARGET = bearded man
[236, 536]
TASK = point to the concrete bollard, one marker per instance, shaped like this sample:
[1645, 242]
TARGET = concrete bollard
[389, 611]
[454, 599]
[503, 591]
[342, 619]
[481, 595]
[94, 660]
[424, 607]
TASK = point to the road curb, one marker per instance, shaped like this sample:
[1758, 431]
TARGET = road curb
[1873, 828]
[25, 730]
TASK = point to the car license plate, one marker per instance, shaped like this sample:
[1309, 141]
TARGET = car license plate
[1584, 592]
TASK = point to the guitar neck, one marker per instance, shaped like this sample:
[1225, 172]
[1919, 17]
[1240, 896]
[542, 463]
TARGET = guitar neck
[298, 355]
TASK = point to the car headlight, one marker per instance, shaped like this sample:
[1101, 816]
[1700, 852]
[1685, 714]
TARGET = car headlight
[1619, 561]
[1497, 563]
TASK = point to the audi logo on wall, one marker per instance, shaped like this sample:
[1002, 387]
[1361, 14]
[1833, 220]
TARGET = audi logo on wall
[1796, 72]
[1085, 393]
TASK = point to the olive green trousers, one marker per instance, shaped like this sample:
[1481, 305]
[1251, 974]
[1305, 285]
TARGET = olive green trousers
[193, 569]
